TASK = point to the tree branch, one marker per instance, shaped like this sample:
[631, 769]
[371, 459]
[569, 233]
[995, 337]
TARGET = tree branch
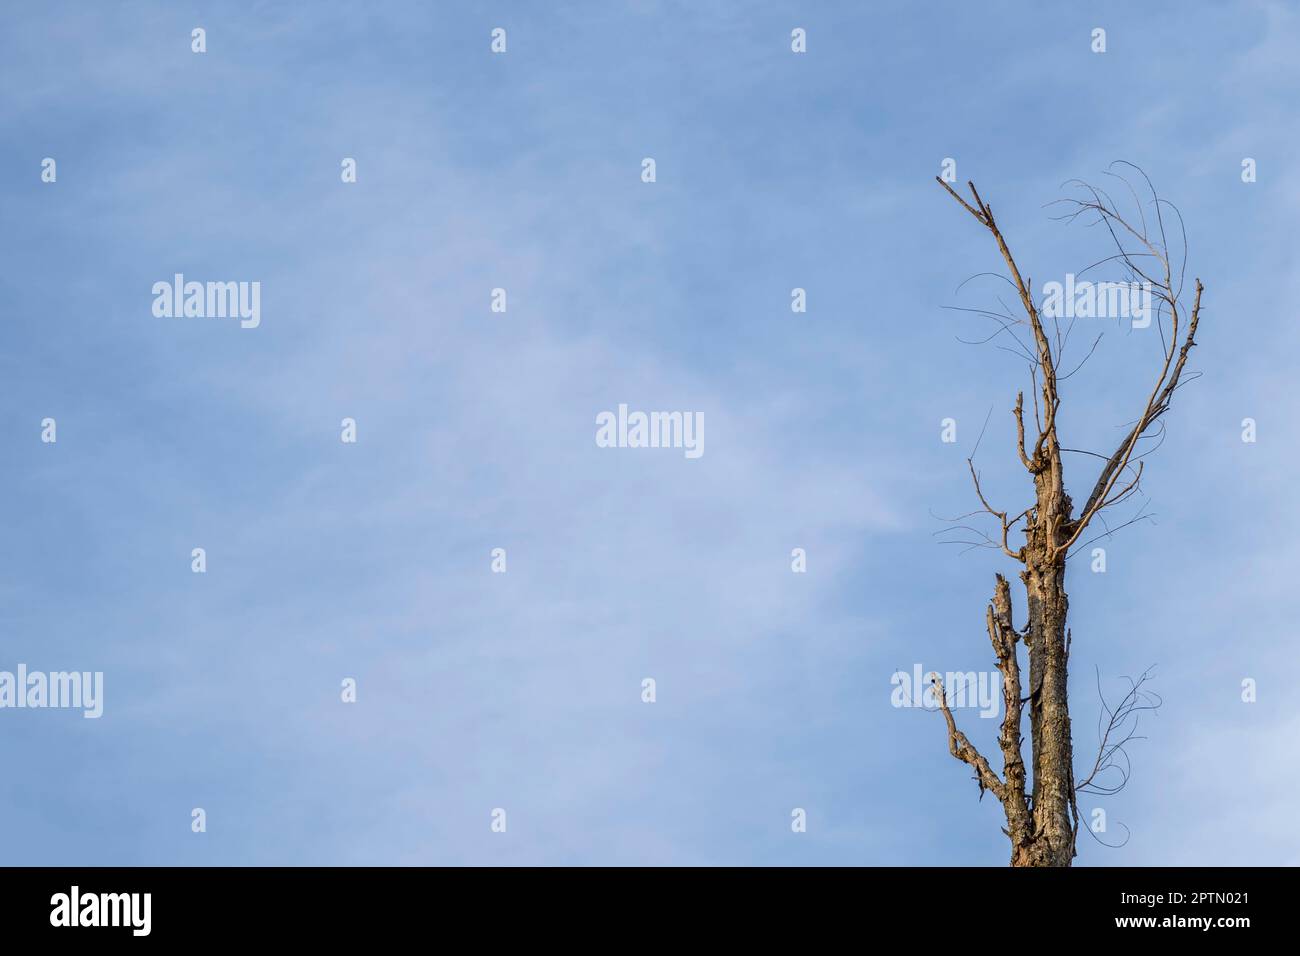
[964, 750]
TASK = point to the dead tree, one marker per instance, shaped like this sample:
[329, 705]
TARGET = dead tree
[1042, 812]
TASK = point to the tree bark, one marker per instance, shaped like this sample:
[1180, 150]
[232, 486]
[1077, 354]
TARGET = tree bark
[1051, 842]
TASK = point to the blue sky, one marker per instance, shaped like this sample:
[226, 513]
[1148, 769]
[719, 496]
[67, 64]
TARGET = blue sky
[475, 430]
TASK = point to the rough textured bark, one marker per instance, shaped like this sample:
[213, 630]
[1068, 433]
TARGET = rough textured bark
[1042, 815]
[1051, 843]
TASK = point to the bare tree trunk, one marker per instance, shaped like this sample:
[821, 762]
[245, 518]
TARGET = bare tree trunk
[1052, 841]
[1043, 822]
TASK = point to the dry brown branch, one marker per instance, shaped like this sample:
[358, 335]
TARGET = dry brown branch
[1115, 734]
[963, 750]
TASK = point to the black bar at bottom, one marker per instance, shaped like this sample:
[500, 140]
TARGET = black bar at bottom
[873, 905]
